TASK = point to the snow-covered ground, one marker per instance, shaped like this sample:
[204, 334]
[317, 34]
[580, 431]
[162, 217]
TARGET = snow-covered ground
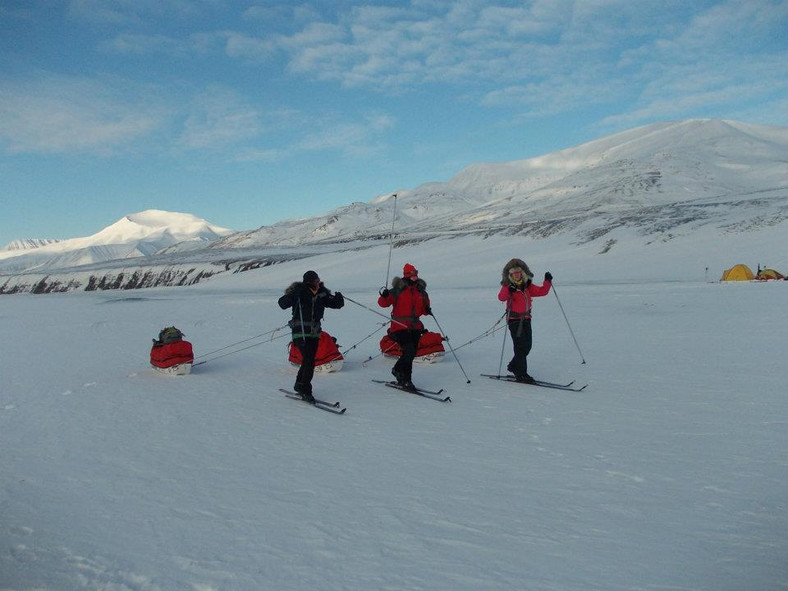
[667, 473]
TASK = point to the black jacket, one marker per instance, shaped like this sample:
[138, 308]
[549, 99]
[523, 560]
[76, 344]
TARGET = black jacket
[308, 308]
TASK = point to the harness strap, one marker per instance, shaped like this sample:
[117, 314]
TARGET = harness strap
[405, 318]
[519, 315]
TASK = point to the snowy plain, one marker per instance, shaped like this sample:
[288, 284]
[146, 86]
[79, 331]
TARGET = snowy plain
[667, 473]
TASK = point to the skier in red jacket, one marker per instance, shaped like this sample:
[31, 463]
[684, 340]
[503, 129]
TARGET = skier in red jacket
[409, 299]
[517, 291]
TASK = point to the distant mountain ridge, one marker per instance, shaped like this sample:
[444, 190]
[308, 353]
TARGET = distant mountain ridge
[661, 183]
[136, 235]
[28, 244]
[600, 184]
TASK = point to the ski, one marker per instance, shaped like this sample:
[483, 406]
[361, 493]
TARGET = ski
[431, 394]
[422, 390]
[333, 407]
[509, 378]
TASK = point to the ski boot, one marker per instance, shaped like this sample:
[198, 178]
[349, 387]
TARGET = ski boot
[524, 378]
[305, 391]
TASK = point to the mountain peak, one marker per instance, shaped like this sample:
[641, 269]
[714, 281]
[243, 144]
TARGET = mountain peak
[137, 234]
[663, 164]
[157, 218]
[155, 222]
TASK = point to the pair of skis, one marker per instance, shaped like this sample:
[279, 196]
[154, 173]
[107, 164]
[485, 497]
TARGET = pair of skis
[337, 408]
[431, 394]
[437, 395]
[333, 407]
[509, 378]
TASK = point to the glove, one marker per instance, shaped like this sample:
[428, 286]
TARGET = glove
[512, 288]
[548, 276]
[428, 311]
[384, 292]
[338, 294]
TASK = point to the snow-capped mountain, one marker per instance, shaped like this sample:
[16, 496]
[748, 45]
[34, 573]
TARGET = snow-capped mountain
[136, 235]
[706, 188]
[27, 244]
[662, 178]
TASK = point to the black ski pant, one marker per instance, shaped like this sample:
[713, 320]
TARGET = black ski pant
[521, 342]
[408, 341]
[308, 348]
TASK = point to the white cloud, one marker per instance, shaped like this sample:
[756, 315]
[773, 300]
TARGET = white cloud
[135, 12]
[61, 114]
[360, 138]
[261, 155]
[246, 46]
[691, 91]
[724, 61]
[142, 44]
[646, 60]
[219, 118]
[309, 134]
[548, 56]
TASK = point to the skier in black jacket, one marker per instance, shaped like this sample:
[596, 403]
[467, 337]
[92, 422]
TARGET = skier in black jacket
[308, 300]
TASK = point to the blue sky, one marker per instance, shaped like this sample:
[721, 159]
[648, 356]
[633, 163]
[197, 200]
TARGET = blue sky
[249, 112]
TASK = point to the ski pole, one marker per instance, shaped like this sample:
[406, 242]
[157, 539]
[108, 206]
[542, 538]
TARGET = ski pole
[374, 311]
[569, 325]
[503, 345]
[301, 315]
[451, 348]
[391, 240]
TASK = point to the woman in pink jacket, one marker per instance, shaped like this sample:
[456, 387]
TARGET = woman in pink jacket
[517, 291]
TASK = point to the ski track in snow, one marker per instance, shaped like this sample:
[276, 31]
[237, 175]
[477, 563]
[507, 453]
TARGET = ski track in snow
[667, 472]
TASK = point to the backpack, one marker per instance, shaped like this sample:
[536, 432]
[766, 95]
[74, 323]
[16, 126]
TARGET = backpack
[169, 335]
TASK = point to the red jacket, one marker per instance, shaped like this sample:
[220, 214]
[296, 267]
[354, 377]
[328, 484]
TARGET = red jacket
[410, 301]
[518, 303]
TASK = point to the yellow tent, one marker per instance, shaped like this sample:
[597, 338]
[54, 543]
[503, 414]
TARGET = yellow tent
[738, 273]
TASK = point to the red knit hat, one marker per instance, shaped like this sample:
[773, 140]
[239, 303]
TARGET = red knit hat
[409, 271]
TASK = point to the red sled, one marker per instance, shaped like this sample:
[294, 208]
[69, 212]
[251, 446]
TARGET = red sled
[328, 358]
[174, 358]
[430, 348]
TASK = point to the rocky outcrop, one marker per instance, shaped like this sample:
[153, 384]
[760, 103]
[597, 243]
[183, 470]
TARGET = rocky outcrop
[126, 278]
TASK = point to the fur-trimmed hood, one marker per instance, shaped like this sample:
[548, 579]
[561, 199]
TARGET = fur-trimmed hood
[511, 265]
[297, 285]
[398, 284]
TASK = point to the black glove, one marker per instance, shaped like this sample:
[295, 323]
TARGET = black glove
[384, 292]
[428, 311]
[548, 276]
[512, 288]
[338, 294]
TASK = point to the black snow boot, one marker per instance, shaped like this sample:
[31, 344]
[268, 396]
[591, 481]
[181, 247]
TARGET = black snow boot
[525, 378]
[305, 391]
[399, 376]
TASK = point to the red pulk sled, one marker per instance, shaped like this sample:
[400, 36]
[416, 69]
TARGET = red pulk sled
[328, 358]
[430, 348]
[171, 354]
